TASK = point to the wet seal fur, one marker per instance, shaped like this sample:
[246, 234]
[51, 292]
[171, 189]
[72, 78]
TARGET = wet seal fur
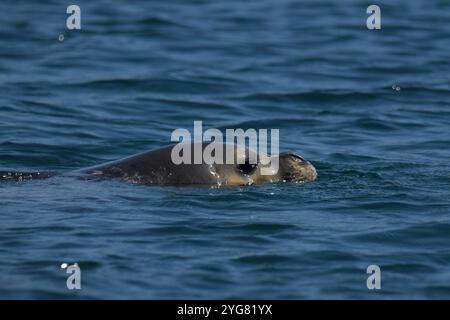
[156, 168]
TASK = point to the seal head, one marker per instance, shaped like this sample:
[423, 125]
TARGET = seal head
[291, 167]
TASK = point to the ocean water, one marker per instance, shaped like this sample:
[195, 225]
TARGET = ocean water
[369, 108]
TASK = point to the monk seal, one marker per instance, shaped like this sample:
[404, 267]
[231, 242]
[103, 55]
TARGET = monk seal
[156, 167]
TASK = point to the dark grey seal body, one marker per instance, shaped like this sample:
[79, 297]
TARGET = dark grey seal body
[157, 168]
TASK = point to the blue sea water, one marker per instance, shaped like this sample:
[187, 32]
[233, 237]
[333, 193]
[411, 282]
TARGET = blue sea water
[369, 108]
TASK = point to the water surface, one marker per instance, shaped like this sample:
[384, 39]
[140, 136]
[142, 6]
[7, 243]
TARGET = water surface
[370, 109]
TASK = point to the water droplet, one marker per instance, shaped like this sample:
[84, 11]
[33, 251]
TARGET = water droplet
[61, 37]
[64, 265]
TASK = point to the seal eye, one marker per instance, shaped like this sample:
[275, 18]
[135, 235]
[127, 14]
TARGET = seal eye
[247, 167]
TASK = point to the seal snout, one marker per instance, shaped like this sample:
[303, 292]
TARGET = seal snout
[296, 168]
